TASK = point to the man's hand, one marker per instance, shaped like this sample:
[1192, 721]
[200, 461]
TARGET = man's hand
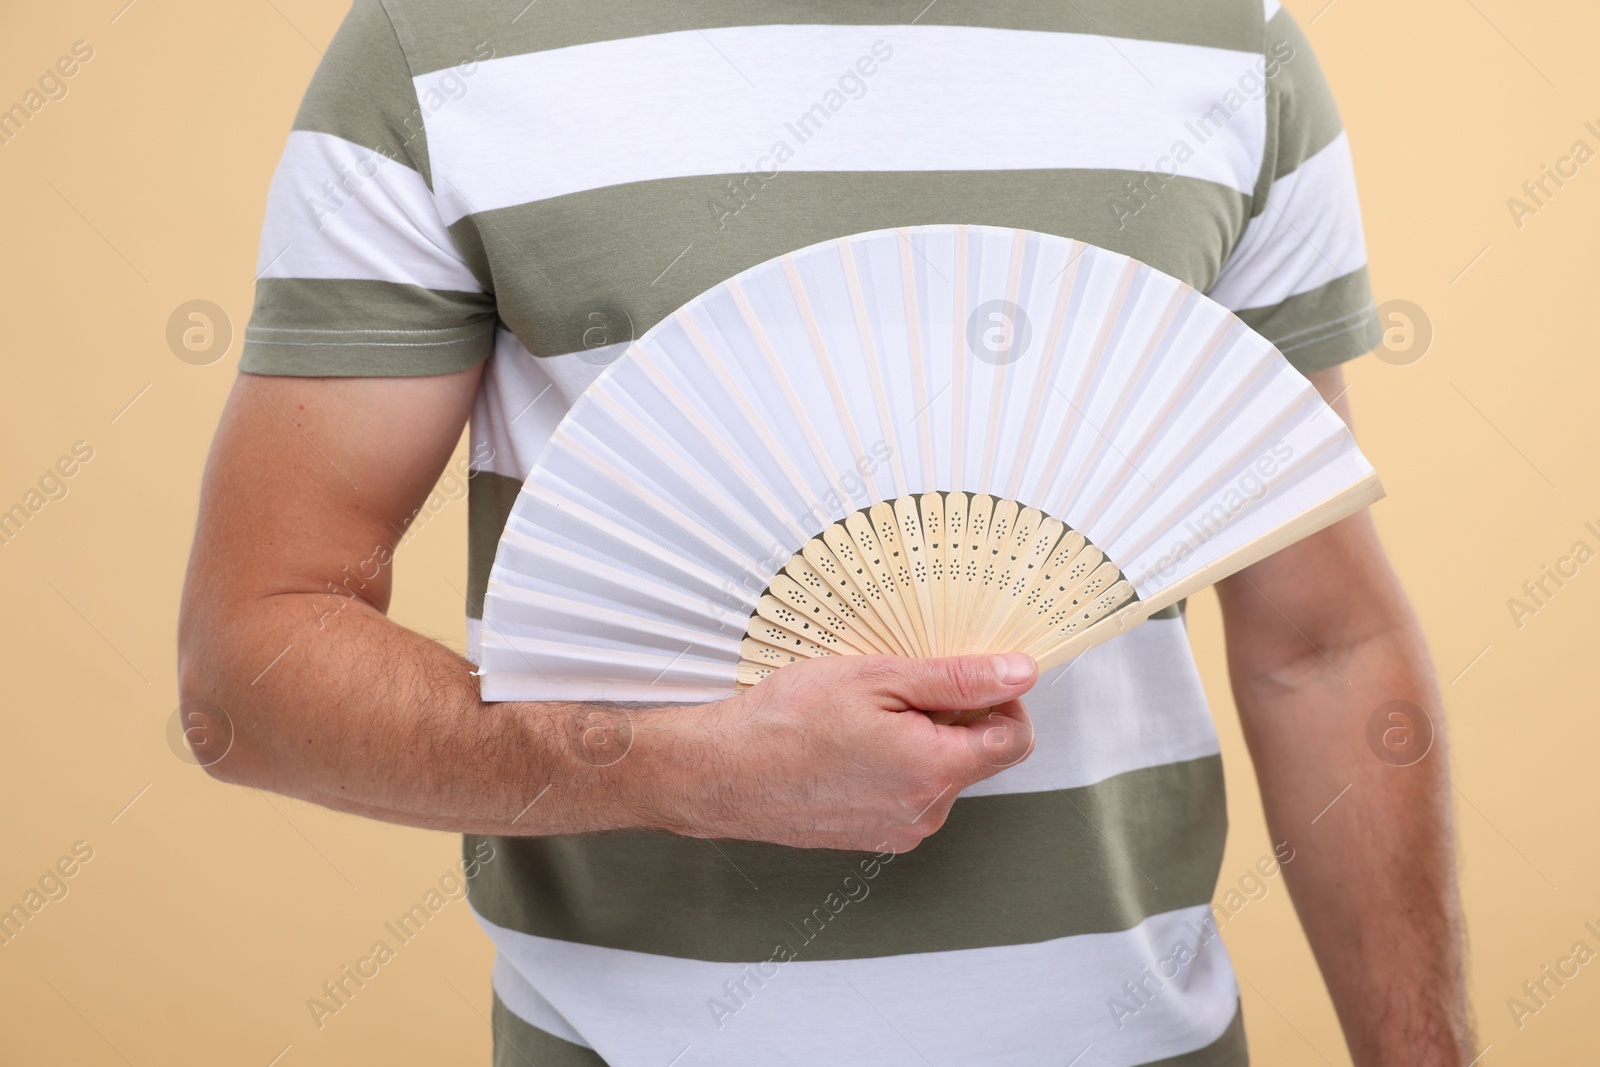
[1320, 638]
[311, 484]
[833, 753]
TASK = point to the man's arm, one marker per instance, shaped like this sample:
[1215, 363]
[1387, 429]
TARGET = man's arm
[1320, 636]
[311, 483]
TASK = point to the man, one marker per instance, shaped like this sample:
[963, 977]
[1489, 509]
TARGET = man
[478, 208]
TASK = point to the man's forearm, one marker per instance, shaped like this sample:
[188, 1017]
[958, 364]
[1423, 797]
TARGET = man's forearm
[330, 701]
[362, 715]
[1373, 877]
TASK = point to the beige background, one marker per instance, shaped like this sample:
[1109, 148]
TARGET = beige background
[209, 914]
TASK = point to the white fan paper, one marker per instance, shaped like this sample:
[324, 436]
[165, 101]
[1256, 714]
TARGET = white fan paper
[927, 441]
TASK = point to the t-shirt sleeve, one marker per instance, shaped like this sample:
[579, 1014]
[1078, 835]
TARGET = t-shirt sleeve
[1298, 275]
[358, 273]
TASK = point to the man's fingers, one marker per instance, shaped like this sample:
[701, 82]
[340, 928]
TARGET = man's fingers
[954, 683]
[1002, 739]
[978, 750]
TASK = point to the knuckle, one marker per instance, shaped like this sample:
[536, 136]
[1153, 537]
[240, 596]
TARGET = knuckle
[929, 803]
[927, 792]
[967, 681]
[903, 842]
[975, 768]
[878, 672]
[917, 807]
[956, 767]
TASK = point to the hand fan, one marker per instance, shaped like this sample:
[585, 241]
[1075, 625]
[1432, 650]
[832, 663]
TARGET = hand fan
[920, 442]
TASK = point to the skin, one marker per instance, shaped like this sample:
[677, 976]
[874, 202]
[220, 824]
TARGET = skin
[309, 487]
[1319, 637]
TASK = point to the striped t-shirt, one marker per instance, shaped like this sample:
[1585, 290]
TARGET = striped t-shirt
[536, 183]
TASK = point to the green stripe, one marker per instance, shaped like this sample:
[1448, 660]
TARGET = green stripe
[632, 254]
[1010, 869]
[521, 1044]
[1327, 325]
[1302, 118]
[362, 90]
[518, 1043]
[335, 305]
[436, 36]
[346, 327]
[1172, 611]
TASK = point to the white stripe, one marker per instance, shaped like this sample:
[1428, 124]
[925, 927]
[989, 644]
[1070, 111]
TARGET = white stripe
[1271, 8]
[564, 120]
[338, 210]
[523, 398]
[1134, 702]
[1308, 235]
[641, 1010]
[530, 1007]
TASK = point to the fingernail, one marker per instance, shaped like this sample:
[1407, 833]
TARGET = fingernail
[1013, 667]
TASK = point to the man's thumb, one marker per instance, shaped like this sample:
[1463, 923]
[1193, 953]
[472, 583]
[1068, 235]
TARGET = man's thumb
[961, 683]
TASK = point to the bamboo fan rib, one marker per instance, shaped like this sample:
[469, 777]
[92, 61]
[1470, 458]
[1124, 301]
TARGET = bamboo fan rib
[881, 581]
[919, 442]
